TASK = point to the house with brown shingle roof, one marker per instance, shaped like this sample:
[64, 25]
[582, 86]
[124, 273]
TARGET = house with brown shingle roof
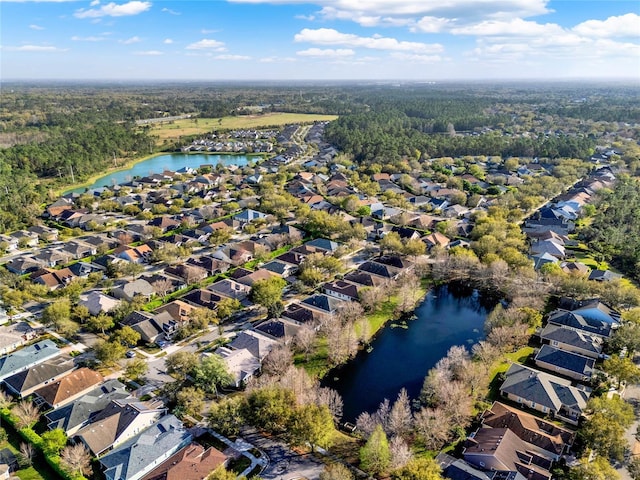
[546, 435]
[68, 388]
[193, 462]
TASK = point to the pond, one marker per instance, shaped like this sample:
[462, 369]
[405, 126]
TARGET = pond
[401, 357]
[173, 161]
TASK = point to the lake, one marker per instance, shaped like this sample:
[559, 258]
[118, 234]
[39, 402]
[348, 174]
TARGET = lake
[401, 357]
[173, 161]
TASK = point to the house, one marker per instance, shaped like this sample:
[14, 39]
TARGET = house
[595, 310]
[8, 464]
[129, 290]
[552, 247]
[457, 469]
[211, 265]
[406, 233]
[230, 289]
[15, 335]
[23, 265]
[26, 358]
[119, 421]
[146, 451]
[202, 298]
[78, 250]
[565, 363]
[73, 416]
[178, 310]
[193, 462]
[138, 254]
[436, 239]
[578, 322]
[241, 364]
[575, 268]
[24, 383]
[500, 450]
[545, 393]
[572, 340]
[365, 279]
[53, 279]
[541, 259]
[604, 276]
[278, 329]
[256, 343]
[383, 271]
[328, 246]
[342, 290]
[25, 238]
[253, 277]
[249, 215]
[546, 435]
[300, 315]
[52, 257]
[68, 388]
[187, 272]
[152, 327]
[46, 234]
[97, 302]
[323, 304]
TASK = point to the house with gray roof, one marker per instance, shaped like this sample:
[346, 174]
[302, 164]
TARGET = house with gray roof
[127, 290]
[241, 364]
[255, 342]
[545, 393]
[14, 335]
[118, 422]
[324, 304]
[572, 340]
[578, 322]
[24, 383]
[384, 271]
[595, 310]
[27, 357]
[323, 244]
[71, 417]
[97, 302]
[144, 452]
[569, 364]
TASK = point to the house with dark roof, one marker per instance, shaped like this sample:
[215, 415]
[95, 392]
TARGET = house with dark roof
[572, 340]
[118, 422]
[212, 265]
[323, 304]
[300, 315]
[383, 271]
[27, 357]
[73, 416]
[458, 469]
[328, 246]
[546, 435]
[279, 329]
[23, 265]
[595, 310]
[578, 322]
[545, 393]
[143, 453]
[342, 290]
[364, 279]
[565, 363]
[499, 449]
[28, 381]
[68, 388]
[280, 268]
[193, 462]
[229, 288]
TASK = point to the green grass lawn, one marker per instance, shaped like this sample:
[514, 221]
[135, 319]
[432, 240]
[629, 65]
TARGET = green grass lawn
[519, 356]
[39, 470]
[317, 363]
[193, 126]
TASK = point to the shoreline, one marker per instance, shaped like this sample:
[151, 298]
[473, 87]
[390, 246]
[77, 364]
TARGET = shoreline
[133, 162]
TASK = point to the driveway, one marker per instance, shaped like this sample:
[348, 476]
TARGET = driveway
[284, 463]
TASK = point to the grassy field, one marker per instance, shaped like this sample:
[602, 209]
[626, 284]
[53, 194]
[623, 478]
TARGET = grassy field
[519, 356]
[194, 126]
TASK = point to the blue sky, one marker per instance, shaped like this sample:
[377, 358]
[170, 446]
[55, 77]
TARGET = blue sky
[257, 40]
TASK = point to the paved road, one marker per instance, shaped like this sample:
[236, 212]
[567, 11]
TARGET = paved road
[284, 463]
[631, 395]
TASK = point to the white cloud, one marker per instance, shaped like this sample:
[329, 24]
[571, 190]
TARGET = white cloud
[76, 38]
[207, 44]
[35, 27]
[169, 11]
[131, 40]
[94, 3]
[309, 18]
[381, 12]
[277, 60]
[167, 41]
[514, 27]
[112, 9]
[428, 24]
[329, 36]
[623, 26]
[34, 48]
[150, 53]
[232, 57]
[326, 52]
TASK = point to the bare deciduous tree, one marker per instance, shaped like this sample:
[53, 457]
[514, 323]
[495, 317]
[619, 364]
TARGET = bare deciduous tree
[26, 412]
[400, 453]
[333, 400]
[278, 360]
[304, 340]
[432, 426]
[75, 459]
[400, 417]
[27, 452]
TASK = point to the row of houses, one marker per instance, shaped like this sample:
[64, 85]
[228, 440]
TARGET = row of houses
[133, 439]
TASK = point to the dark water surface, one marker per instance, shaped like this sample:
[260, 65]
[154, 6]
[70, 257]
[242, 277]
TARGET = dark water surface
[401, 357]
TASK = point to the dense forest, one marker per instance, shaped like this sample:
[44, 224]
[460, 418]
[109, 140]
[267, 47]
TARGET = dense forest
[615, 231]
